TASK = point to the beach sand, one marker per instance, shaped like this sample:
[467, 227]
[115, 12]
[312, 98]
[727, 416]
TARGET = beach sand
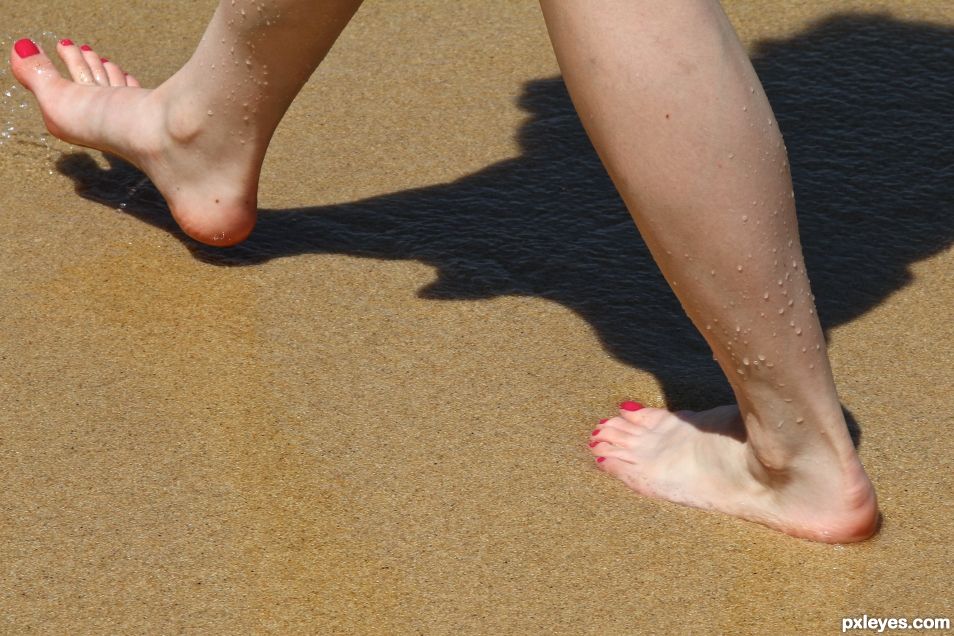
[372, 417]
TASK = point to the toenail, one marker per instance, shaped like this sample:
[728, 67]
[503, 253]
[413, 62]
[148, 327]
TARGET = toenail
[86, 47]
[604, 420]
[103, 60]
[600, 459]
[596, 431]
[630, 406]
[25, 48]
[592, 444]
[66, 42]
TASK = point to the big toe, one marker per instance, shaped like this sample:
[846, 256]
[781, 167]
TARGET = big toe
[32, 67]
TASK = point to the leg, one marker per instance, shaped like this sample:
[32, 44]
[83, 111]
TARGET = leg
[202, 135]
[680, 120]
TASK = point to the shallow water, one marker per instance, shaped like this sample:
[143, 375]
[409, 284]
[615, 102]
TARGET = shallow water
[371, 417]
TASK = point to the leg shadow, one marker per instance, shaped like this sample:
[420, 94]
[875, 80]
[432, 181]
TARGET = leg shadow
[863, 101]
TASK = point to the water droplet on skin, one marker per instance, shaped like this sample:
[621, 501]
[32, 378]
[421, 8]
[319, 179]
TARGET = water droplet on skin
[761, 358]
[798, 331]
[786, 399]
[817, 347]
[779, 282]
[791, 323]
[751, 89]
[739, 267]
[811, 366]
[746, 108]
[804, 349]
[745, 218]
[209, 113]
[708, 327]
[745, 361]
[799, 420]
[740, 371]
[779, 425]
[781, 310]
[769, 364]
[765, 296]
[790, 302]
[731, 155]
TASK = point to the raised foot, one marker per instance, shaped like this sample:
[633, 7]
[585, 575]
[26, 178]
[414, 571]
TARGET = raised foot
[207, 174]
[703, 460]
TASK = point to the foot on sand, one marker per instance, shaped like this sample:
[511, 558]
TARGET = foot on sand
[704, 460]
[205, 163]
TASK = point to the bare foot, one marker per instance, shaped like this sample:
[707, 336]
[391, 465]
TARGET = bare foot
[205, 164]
[704, 460]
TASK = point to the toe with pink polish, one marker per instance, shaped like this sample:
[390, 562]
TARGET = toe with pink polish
[26, 48]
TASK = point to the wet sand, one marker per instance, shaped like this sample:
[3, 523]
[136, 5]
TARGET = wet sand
[371, 419]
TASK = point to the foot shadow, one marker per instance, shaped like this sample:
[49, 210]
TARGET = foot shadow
[863, 101]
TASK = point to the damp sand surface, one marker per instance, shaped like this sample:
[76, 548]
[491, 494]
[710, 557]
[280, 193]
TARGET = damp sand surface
[371, 418]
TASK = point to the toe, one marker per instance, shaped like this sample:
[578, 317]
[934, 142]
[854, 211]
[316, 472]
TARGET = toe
[613, 465]
[95, 63]
[612, 435]
[131, 81]
[623, 424]
[630, 411]
[76, 64]
[32, 67]
[609, 451]
[114, 74]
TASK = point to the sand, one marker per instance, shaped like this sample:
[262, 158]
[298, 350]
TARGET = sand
[372, 418]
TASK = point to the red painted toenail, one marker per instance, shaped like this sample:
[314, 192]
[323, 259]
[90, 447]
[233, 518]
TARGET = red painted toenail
[86, 47]
[25, 48]
[604, 420]
[596, 431]
[630, 406]
[103, 60]
[592, 444]
[600, 459]
[66, 42]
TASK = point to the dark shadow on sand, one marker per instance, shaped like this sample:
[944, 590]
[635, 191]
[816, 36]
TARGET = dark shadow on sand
[864, 101]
